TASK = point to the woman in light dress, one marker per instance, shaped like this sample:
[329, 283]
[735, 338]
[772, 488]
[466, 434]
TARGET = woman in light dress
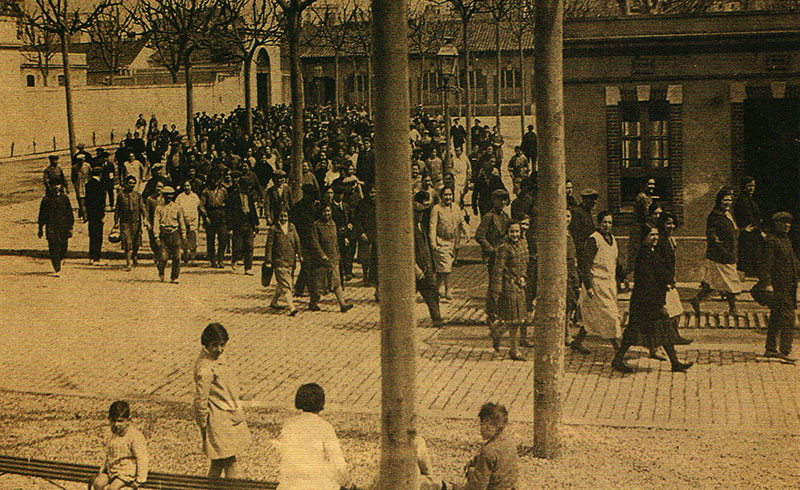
[446, 225]
[217, 408]
[720, 265]
[600, 272]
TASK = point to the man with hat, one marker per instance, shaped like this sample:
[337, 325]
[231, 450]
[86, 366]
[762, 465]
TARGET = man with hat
[82, 172]
[214, 198]
[53, 175]
[582, 224]
[95, 212]
[278, 198]
[490, 233]
[779, 275]
[129, 214]
[242, 219]
[171, 225]
[55, 222]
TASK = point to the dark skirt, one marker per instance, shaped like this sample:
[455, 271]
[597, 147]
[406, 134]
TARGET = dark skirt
[511, 305]
[325, 278]
[751, 245]
[650, 330]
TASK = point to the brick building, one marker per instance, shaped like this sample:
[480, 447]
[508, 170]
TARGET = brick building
[695, 101]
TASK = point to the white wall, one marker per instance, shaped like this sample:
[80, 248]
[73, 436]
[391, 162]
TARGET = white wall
[40, 114]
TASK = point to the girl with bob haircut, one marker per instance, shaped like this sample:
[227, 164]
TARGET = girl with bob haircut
[217, 408]
[311, 457]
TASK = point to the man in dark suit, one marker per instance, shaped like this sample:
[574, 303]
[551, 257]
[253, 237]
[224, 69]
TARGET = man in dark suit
[365, 165]
[242, 219]
[582, 224]
[530, 146]
[95, 211]
[486, 182]
[56, 219]
[459, 134]
[779, 274]
[423, 267]
[489, 235]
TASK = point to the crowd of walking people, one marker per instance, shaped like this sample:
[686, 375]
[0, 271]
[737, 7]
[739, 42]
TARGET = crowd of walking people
[230, 182]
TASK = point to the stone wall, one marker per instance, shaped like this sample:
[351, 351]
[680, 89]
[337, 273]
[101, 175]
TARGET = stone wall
[39, 115]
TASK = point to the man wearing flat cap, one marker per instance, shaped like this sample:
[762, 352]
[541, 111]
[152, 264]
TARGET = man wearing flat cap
[170, 223]
[490, 233]
[779, 274]
[582, 224]
[53, 175]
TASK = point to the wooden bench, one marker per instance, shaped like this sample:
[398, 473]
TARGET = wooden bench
[53, 470]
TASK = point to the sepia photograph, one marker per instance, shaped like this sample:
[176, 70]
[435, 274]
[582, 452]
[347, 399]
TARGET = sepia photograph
[399, 244]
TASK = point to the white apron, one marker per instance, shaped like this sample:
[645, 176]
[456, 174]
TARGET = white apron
[601, 312]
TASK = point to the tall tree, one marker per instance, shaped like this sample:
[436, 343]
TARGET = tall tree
[259, 23]
[109, 34]
[465, 10]
[549, 318]
[293, 25]
[361, 35]
[181, 28]
[40, 45]
[520, 24]
[418, 29]
[499, 11]
[333, 24]
[64, 21]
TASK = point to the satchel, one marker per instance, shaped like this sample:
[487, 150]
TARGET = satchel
[673, 304]
[113, 236]
[760, 294]
[266, 274]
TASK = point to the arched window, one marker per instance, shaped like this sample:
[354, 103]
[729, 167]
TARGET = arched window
[30, 80]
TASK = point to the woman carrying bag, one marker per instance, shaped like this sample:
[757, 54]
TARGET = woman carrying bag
[649, 319]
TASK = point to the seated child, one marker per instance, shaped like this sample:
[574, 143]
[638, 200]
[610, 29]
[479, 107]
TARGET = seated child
[311, 457]
[127, 460]
[496, 465]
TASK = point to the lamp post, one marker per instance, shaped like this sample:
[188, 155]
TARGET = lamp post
[447, 57]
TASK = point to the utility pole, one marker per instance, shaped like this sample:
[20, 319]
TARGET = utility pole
[549, 319]
[398, 468]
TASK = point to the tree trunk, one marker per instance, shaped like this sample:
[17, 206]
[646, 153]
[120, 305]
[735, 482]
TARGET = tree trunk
[187, 71]
[293, 26]
[357, 95]
[420, 96]
[467, 90]
[369, 86]
[498, 75]
[336, 83]
[64, 37]
[398, 466]
[248, 90]
[549, 321]
[522, 89]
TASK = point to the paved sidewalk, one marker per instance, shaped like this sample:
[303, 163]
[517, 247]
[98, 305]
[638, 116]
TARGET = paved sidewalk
[107, 332]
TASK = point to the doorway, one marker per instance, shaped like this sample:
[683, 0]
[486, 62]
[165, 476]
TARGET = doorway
[263, 82]
[772, 152]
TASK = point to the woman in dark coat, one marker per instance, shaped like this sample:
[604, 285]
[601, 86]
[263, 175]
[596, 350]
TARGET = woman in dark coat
[720, 265]
[751, 238]
[325, 261]
[508, 288]
[666, 248]
[648, 323]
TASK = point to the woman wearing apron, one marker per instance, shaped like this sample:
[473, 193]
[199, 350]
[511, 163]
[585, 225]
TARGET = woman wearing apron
[599, 272]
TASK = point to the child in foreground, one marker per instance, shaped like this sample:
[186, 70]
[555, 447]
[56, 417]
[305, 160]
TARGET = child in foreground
[127, 459]
[496, 466]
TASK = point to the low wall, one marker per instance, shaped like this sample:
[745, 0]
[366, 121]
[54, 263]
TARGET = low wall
[34, 120]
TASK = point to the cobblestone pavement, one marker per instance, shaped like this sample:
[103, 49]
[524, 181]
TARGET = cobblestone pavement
[103, 331]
